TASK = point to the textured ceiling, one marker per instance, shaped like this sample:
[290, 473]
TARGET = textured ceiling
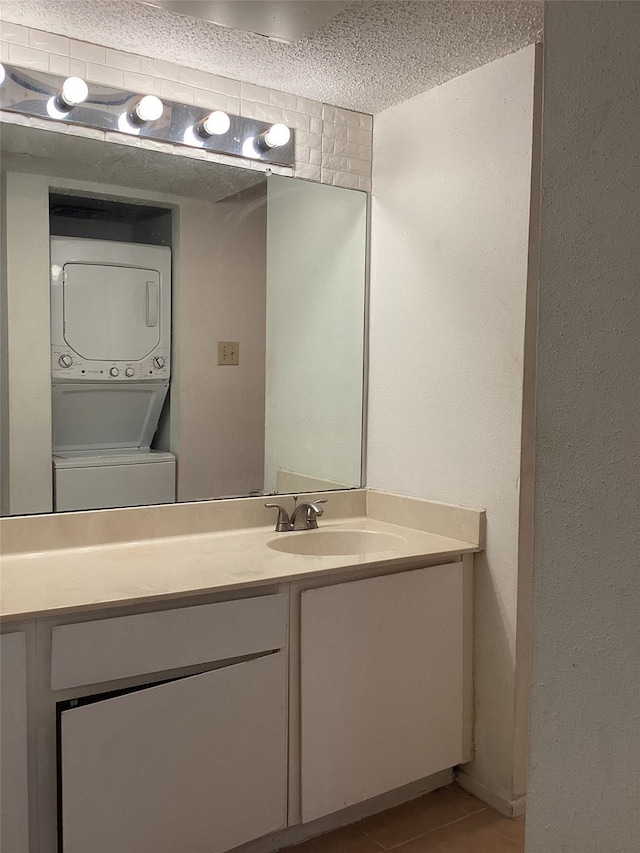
[369, 57]
[60, 155]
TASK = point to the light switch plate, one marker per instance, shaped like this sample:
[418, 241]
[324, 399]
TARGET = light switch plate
[228, 352]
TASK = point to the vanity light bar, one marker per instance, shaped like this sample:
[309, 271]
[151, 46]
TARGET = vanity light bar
[73, 101]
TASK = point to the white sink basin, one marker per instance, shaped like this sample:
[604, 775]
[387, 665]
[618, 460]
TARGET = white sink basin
[333, 543]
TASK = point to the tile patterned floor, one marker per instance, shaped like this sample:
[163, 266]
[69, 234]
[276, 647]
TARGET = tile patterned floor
[445, 821]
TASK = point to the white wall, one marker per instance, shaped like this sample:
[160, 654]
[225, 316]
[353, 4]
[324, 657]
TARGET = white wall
[316, 249]
[584, 784]
[221, 297]
[26, 425]
[450, 241]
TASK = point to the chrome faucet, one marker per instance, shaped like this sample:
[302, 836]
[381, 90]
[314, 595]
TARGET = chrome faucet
[310, 511]
[304, 516]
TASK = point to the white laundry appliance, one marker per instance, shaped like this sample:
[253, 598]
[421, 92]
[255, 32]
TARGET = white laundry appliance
[110, 368]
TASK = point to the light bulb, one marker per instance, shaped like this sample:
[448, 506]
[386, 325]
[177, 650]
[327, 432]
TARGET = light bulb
[3, 74]
[148, 108]
[74, 91]
[276, 136]
[215, 124]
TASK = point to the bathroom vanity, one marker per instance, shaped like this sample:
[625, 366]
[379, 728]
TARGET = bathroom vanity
[194, 691]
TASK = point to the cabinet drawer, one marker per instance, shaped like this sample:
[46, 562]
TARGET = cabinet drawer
[196, 765]
[107, 649]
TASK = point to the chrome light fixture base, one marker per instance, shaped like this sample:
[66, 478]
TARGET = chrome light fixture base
[31, 93]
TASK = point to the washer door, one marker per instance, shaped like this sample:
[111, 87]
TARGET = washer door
[111, 313]
[89, 416]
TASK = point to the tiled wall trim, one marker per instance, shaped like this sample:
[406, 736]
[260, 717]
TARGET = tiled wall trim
[333, 145]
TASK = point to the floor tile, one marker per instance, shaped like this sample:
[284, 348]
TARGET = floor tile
[409, 820]
[512, 829]
[347, 840]
[465, 800]
[474, 834]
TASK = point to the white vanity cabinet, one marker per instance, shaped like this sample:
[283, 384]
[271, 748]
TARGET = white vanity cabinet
[384, 668]
[181, 762]
[14, 804]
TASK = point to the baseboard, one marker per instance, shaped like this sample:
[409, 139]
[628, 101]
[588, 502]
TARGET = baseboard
[509, 808]
[304, 831]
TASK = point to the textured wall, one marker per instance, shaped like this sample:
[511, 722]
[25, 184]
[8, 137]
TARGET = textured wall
[221, 297]
[584, 786]
[26, 431]
[316, 253]
[450, 239]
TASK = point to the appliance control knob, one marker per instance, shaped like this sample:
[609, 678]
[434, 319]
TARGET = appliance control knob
[129, 371]
[159, 361]
[114, 371]
[65, 360]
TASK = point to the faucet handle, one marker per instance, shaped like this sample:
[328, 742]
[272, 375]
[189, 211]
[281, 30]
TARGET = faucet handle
[282, 524]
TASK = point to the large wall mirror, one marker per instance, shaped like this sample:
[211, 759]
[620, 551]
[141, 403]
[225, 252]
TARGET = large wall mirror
[173, 329]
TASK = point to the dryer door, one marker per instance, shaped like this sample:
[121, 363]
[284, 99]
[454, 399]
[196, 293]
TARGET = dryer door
[111, 313]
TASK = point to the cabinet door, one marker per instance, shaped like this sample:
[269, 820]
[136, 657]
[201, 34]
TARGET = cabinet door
[381, 685]
[14, 808]
[196, 765]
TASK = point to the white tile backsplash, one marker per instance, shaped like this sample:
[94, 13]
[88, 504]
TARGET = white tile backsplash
[299, 121]
[231, 88]
[310, 108]
[166, 70]
[267, 113]
[283, 100]
[251, 92]
[77, 67]
[233, 106]
[106, 76]
[346, 179]
[328, 145]
[86, 132]
[333, 145]
[209, 100]
[336, 131]
[176, 91]
[28, 57]
[308, 171]
[88, 52]
[124, 61]
[334, 161]
[143, 83]
[49, 42]
[359, 135]
[194, 77]
[59, 65]
[14, 33]
[360, 167]
[348, 149]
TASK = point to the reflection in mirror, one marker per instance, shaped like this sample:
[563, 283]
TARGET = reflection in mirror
[173, 329]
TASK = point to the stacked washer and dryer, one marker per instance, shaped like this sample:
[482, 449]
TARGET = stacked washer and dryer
[110, 368]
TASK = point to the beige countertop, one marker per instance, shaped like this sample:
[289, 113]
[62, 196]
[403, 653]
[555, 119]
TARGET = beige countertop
[55, 582]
